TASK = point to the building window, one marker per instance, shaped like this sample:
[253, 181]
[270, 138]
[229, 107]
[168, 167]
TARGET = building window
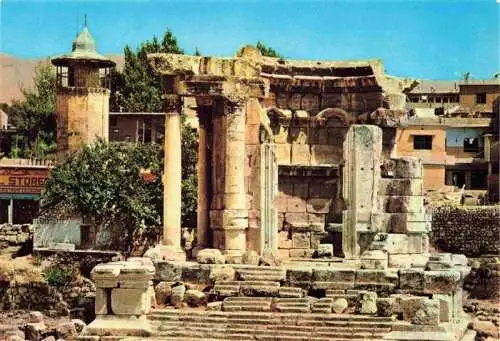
[481, 98]
[422, 142]
[471, 144]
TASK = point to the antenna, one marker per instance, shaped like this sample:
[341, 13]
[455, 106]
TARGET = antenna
[85, 20]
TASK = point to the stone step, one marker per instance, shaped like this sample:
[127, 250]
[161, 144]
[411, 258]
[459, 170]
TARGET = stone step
[223, 289]
[261, 274]
[247, 304]
[290, 292]
[292, 305]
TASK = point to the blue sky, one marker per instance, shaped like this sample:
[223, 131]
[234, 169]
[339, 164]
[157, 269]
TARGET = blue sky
[424, 39]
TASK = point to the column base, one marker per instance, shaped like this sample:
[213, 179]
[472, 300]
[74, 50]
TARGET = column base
[171, 253]
[233, 256]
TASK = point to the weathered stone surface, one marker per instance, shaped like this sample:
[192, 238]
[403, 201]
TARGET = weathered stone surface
[339, 305]
[486, 328]
[177, 296]
[214, 306]
[130, 301]
[163, 291]
[168, 271]
[79, 325]
[210, 256]
[333, 275]
[400, 187]
[391, 243]
[299, 274]
[374, 259]
[301, 240]
[34, 331]
[196, 273]
[35, 317]
[270, 258]
[222, 273]
[101, 304]
[250, 257]
[400, 261]
[408, 167]
[318, 205]
[324, 250]
[402, 204]
[295, 205]
[195, 298]
[428, 314]
[441, 282]
[66, 331]
[385, 306]
[368, 303]
[411, 280]
[445, 307]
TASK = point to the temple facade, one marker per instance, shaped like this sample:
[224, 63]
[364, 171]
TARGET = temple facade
[290, 154]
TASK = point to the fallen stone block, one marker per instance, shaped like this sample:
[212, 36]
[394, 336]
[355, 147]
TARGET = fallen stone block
[441, 282]
[210, 256]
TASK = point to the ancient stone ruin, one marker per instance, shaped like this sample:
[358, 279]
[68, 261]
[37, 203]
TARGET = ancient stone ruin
[309, 226]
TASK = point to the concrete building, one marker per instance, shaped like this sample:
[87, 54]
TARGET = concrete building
[451, 131]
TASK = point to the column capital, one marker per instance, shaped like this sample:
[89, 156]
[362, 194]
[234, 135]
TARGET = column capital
[173, 104]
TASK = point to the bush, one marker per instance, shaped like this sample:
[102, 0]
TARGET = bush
[57, 276]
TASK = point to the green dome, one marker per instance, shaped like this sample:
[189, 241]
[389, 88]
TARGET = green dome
[83, 51]
[84, 42]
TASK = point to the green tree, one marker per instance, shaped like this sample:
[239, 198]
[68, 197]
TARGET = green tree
[104, 182]
[267, 51]
[138, 89]
[34, 117]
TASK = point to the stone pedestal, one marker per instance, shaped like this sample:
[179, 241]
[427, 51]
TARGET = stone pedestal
[124, 292]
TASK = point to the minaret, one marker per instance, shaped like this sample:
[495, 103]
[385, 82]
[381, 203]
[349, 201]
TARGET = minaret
[83, 81]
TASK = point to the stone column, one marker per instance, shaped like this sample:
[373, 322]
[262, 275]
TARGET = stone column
[10, 212]
[235, 212]
[202, 228]
[361, 173]
[171, 244]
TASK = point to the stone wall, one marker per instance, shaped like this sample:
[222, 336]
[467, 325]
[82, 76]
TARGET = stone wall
[15, 235]
[472, 231]
[308, 205]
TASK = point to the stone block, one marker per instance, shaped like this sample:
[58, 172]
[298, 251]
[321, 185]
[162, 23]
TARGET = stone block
[400, 261]
[295, 205]
[408, 167]
[299, 274]
[411, 280]
[301, 253]
[297, 220]
[385, 306]
[405, 222]
[324, 250]
[339, 305]
[196, 273]
[441, 282]
[222, 273]
[415, 243]
[284, 253]
[325, 155]
[281, 202]
[333, 275]
[445, 307]
[317, 238]
[301, 240]
[316, 221]
[374, 259]
[210, 256]
[370, 276]
[283, 154]
[391, 243]
[318, 205]
[409, 305]
[301, 154]
[402, 204]
[283, 241]
[428, 314]
[101, 301]
[400, 187]
[368, 303]
[130, 301]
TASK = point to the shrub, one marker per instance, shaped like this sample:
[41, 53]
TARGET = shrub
[57, 276]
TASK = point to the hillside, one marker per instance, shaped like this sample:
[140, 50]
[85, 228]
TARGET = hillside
[17, 72]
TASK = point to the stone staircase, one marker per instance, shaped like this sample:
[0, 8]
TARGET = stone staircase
[189, 324]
